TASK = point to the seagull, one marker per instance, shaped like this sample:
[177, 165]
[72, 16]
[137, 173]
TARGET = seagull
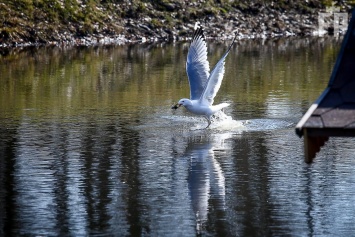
[203, 84]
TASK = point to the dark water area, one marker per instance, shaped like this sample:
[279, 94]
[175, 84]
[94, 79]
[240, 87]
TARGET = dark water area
[90, 146]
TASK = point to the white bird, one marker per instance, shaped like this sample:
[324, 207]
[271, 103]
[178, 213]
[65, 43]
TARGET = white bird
[203, 84]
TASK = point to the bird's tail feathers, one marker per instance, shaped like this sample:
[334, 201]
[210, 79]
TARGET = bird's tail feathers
[220, 106]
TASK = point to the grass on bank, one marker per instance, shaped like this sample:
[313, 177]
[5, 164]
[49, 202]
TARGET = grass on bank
[39, 20]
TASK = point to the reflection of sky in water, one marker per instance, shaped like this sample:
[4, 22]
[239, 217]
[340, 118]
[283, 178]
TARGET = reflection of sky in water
[209, 182]
[314, 190]
[41, 168]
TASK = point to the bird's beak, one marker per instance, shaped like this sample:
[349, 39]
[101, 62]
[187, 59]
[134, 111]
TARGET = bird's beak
[176, 106]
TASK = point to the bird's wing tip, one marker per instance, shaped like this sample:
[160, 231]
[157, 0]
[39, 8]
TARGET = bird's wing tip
[199, 32]
[197, 25]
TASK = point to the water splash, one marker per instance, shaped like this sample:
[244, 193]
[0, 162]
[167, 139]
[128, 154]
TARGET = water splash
[222, 122]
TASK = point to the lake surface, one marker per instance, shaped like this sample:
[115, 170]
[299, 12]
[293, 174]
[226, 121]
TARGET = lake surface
[89, 144]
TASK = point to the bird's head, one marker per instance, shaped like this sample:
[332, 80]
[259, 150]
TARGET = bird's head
[184, 102]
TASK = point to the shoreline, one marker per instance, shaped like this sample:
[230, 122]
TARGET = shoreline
[100, 40]
[92, 41]
[136, 21]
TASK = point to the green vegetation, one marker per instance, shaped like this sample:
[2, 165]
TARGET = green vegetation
[45, 21]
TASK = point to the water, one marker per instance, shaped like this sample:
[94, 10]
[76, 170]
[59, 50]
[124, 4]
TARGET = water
[90, 146]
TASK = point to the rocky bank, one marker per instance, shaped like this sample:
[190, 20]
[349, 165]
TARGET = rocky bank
[79, 22]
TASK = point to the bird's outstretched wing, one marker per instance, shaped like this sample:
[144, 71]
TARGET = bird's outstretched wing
[215, 80]
[197, 67]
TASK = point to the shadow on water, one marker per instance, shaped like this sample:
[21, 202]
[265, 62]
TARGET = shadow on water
[7, 189]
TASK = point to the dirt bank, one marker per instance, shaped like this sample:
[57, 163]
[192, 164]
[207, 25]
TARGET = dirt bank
[29, 22]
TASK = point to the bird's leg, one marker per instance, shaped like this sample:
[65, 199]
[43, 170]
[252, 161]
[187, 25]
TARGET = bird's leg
[209, 121]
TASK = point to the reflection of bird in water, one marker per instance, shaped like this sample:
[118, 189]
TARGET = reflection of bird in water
[203, 84]
[205, 180]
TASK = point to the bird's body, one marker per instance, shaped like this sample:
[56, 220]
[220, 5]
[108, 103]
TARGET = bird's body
[203, 84]
[198, 108]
